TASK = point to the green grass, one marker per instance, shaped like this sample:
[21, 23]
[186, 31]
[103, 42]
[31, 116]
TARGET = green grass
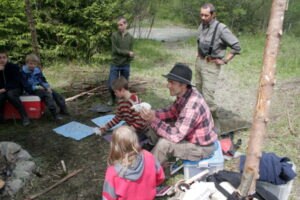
[252, 54]
[149, 54]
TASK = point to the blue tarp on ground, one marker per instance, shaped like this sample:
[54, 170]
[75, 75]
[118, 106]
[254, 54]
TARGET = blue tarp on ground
[74, 130]
[101, 121]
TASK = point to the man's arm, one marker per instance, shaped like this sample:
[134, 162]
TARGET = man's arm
[183, 126]
[114, 121]
[16, 78]
[43, 82]
[224, 61]
[162, 114]
[232, 42]
[2, 90]
[131, 54]
[27, 87]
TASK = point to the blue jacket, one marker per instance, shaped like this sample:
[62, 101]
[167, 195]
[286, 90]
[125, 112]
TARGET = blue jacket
[10, 77]
[33, 78]
[273, 169]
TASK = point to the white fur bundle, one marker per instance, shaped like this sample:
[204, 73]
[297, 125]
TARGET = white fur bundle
[141, 106]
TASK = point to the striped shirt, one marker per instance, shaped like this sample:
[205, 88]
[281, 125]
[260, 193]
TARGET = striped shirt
[192, 120]
[131, 117]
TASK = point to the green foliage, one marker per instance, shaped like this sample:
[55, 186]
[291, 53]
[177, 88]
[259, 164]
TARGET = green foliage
[67, 29]
[13, 28]
[292, 17]
[241, 15]
[75, 29]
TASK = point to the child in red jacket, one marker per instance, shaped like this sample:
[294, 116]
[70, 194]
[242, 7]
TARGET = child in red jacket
[134, 173]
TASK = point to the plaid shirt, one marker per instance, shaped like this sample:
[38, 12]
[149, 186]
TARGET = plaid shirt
[192, 117]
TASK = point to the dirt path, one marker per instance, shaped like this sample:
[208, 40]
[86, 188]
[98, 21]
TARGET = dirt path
[170, 34]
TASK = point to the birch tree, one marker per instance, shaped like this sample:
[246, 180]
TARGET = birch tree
[267, 82]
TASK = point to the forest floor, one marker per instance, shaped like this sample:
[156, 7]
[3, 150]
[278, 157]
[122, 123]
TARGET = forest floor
[236, 92]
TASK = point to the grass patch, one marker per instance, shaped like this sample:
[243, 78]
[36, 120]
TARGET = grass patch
[149, 54]
[250, 60]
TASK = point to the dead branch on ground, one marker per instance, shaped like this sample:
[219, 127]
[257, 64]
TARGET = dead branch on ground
[136, 86]
[55, 185]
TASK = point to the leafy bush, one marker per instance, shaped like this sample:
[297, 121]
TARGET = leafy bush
[71, 29]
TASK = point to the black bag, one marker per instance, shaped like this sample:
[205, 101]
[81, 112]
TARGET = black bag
[234, 179]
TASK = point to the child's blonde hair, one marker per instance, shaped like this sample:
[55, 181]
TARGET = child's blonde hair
[32, 58]
[124, 147]
[120, 83]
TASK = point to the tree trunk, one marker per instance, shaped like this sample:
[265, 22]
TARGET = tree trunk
[267, 81]
[31, 24]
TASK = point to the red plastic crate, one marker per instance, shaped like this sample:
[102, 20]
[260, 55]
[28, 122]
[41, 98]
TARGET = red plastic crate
[33, 105]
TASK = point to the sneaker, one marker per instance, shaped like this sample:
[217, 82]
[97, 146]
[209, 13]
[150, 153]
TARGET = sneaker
[57, 118]
[64, 111]
[25, 121]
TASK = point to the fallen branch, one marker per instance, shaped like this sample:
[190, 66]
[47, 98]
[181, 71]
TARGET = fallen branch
[102, 89]
[55, 185]
[82, 94]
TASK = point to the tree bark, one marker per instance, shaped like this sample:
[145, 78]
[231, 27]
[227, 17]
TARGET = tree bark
[267, 81]
[31, 23]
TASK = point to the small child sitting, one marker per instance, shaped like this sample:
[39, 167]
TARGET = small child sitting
[124, 110]
[35, 84]
[133, 173]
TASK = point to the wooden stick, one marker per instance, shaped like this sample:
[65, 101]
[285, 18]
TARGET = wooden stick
[82, 94]
[63, 166]
[54, 185]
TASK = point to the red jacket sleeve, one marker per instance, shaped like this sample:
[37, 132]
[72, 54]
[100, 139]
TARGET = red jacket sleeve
[108, 192]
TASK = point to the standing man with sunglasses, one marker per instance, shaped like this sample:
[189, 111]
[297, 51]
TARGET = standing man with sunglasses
[213, 39]
[122, 54]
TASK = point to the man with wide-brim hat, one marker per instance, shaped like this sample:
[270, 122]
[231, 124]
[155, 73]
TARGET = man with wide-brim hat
[186, 128]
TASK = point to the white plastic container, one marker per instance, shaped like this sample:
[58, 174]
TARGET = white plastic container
[281, 191]
[214, 163]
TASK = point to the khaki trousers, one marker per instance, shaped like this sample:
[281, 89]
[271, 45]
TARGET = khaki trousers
[207, 74]
[185, 150]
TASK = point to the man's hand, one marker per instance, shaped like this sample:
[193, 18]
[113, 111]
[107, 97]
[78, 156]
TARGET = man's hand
[220, 62]
[147, 115]
[131, 54]
[2, 91]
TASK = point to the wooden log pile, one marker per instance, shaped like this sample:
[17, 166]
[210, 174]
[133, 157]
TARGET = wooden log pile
[90, 88]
